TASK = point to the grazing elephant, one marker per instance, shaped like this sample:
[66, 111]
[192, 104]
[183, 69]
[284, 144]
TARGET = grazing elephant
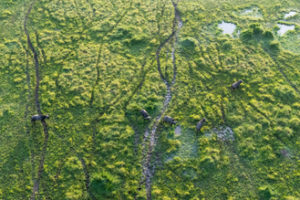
[145, 114]
[200, 124]
[236, 84]
[39, 117]
[169, 120]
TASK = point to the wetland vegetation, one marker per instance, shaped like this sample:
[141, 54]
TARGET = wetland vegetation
[86, 85]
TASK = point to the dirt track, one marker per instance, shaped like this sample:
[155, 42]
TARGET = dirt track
[36, 185]
[150, 136]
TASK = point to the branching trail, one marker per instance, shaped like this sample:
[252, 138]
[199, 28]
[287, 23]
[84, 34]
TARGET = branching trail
[150, 137]
[36, 61]
[38, 107]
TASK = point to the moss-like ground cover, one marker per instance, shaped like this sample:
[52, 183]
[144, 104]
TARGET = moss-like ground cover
[98, 68]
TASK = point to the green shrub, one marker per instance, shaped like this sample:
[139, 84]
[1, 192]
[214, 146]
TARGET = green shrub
[266, 153]
[5, 14]
[256, 29]
[283, 132]
[295, 123]
[247, 35]
[101, 188]
[284, 111]
[274, 46]
[227, 46]
[122, 33]
[264, 193]
[268, 35]
[188, 44]
[247, 148]
[284, 93]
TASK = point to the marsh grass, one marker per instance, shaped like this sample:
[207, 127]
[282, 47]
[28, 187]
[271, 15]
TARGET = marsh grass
[98, 70]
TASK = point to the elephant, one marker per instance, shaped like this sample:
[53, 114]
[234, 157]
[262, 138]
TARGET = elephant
[236, 84]
[39, 117]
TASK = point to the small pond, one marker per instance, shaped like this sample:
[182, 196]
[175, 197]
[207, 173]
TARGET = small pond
[228, 28]
[252, 12]
[290, 14]
[247, 11]
[283, 28]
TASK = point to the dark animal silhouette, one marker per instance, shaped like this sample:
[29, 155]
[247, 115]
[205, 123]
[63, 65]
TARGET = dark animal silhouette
[39, 117]
[145, 114]
[236, 84]
[169, 120]
[200, 124]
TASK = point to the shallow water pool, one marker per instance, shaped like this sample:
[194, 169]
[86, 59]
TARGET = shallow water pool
[290, 14]
[228, 28]
[283, 28]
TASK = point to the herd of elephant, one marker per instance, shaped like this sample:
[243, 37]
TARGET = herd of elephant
[170, 120]
[145, 114]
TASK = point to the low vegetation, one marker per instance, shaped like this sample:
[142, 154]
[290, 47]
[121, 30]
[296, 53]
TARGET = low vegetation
[94, 66]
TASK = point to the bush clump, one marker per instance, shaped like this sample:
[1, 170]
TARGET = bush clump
[188, 43]
[284, 93]
[295, 123]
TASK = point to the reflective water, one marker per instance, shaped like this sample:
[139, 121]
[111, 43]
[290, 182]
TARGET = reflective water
[290, 14]
[247, 11]
[228, 28]
[253, 12]
[283, 28]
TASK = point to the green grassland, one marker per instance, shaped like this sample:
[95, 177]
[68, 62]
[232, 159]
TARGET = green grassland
[98, 68]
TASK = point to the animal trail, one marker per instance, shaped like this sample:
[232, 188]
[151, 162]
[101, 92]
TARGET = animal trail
[148, 169]
[40, 116]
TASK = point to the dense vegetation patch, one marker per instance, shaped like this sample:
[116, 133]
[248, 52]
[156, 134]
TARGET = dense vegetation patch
[98, 68]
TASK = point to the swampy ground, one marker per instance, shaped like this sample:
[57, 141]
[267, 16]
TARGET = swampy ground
[91, 65]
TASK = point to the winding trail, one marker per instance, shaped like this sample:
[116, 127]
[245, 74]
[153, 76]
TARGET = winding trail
[150, 135]
[36, 184]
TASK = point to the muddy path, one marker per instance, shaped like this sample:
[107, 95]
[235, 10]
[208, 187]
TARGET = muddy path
[37, 179]
[35, 57]
[150, 135]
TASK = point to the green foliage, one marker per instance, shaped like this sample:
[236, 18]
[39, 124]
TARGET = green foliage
[268, 35]
[264, 193]
[295, 123]
[98, 68]
[102, 186]
[274, 46]
[284, 93]
[188, 44]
